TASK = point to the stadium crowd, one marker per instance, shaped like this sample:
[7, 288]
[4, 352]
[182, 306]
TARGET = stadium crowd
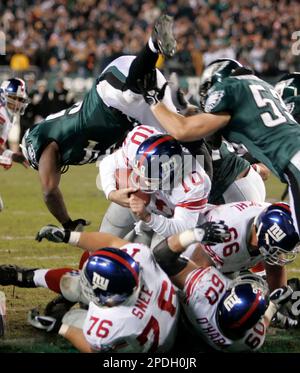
[81, 37]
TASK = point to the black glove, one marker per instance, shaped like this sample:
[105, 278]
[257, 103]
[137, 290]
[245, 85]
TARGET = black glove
[284, 321]
[211, 233]
[53, 233]
[76, 225]
[148, 88]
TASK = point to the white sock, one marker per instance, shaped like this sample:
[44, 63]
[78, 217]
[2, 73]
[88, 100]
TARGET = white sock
[39, 278]
[151, 46]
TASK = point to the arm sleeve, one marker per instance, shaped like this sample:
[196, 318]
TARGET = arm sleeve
[107, 171]
[182, 220]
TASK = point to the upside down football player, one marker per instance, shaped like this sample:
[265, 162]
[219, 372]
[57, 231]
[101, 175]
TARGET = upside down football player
[133, 306]
[13, 102]
[176, 185]
[78, 135]
[246, 110]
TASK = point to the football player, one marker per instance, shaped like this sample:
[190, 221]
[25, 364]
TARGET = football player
[229, 315]
[258, 233]
[80, 134]
[174, 183]
[133, 306]
[13, 102]
[246, 110]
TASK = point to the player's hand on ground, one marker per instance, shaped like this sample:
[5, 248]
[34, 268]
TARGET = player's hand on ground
[121, 196]
[76, 225]
[211, 233]
[19, 158]
[53, 233]
[138, 207]
[42, 322]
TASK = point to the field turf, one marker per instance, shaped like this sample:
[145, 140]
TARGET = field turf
[25, 213]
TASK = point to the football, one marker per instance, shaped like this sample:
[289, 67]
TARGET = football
[123, 180]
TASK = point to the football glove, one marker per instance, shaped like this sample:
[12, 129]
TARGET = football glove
[148, 88]
[76, 225]
[281, 296]
[283, 321]
[54, 234]
[211, 233]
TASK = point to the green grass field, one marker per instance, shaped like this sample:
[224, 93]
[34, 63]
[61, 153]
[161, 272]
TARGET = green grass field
[25, 213]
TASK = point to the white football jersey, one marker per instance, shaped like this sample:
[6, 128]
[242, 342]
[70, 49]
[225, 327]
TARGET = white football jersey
[233, 255]
[203, 290]
[6, 123]
[192, 193]
[131, 104]
[147, 325]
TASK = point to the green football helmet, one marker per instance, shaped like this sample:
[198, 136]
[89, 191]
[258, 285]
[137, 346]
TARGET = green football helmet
[215, 72]
[288, 85]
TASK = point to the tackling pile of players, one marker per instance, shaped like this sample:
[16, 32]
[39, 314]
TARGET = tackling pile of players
[188, 222]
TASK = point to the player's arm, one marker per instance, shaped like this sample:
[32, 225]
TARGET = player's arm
[167, 253]
[276, 276]
[107, 168]
[49, 173]
[90, 241]
[76, 337]
[189, 128]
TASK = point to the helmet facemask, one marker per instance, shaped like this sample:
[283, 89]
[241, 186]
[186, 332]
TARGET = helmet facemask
[16, 104]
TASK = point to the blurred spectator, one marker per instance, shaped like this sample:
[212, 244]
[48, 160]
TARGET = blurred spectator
[82, 36]
[60, 98]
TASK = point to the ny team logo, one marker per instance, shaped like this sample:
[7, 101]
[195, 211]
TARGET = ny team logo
[231, 301]
[100, 282]
[276, 233]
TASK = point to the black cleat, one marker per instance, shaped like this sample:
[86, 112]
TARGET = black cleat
[163, 37]
[17, 276]
[57, 307]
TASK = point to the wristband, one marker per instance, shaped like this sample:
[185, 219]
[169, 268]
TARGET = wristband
[74, 238]
[187, 238]
[63, 330]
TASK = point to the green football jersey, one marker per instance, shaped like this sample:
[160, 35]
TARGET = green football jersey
[227, 166]
[293, 105]
[259, 120]
[82, 132]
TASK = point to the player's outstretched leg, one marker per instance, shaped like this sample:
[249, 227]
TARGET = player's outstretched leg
[161, 41]
[17, 276]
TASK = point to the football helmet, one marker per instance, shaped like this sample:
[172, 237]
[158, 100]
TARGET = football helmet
[278, 240]
[157, 163]
[288, 85]
[242, 305]
[109, 277]
[216, 71]
[13, 94]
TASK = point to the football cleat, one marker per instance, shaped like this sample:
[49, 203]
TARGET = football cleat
[163, 37]
[17, 276]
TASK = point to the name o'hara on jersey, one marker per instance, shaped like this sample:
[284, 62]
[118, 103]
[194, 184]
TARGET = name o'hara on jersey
[148, 324]
[190, 193]
[203, 290]
[233, 255]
